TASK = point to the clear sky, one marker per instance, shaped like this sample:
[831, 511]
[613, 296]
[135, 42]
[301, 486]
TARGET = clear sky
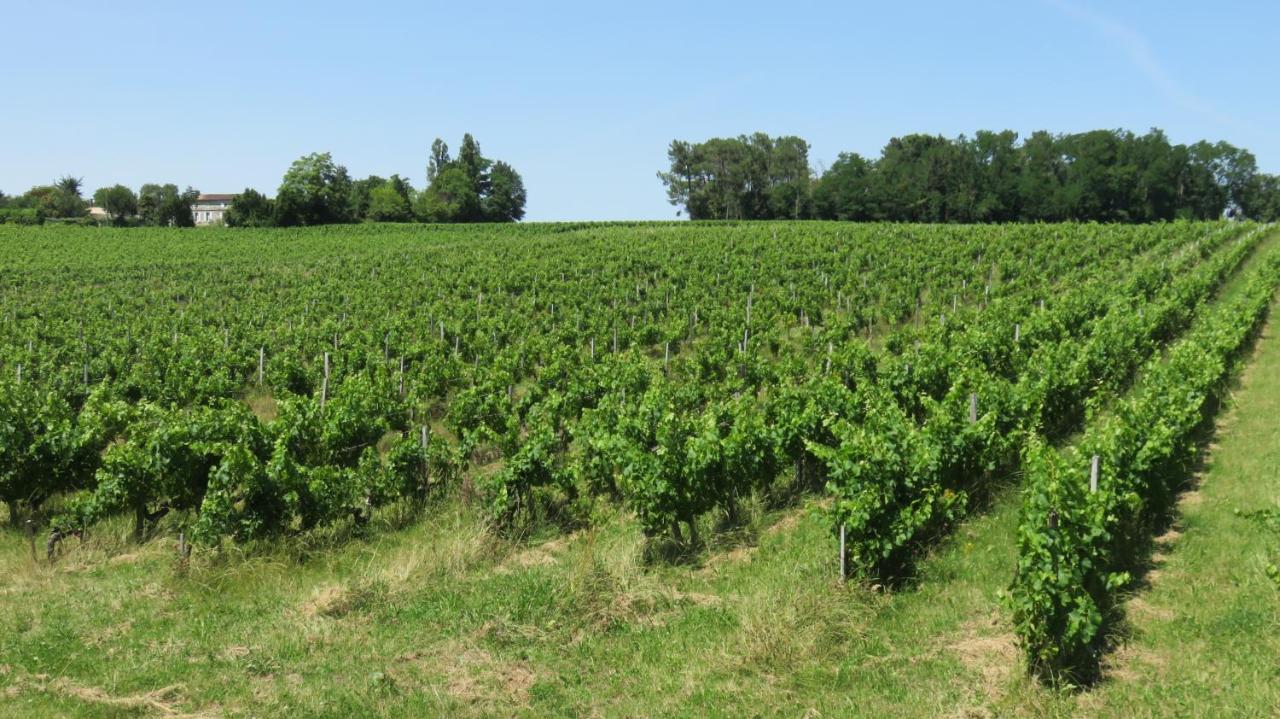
[583, 98]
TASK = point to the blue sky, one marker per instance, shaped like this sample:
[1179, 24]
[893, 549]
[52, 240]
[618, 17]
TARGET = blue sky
[583, 98]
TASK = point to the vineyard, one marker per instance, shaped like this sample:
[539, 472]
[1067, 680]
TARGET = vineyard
[242, 389]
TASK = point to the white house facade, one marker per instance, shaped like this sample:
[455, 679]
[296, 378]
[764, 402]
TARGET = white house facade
[209, 209]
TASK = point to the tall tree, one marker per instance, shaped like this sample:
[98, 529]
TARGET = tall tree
[388, 204]
[450, 197]
[360, 195]
[789, 180]
[473, 162]
[251, 209]
[403, 187]
[844, 191]
[997, 162]
[506, 197]
[315, 191]
[70, 184]
[119, 202]
[439, 159]
[744, 177]
[53, 201]
[176, 210]
[470, 188]
[684, 181]
[165, 206]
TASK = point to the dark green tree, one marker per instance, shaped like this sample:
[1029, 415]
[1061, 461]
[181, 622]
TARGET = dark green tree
[388, 204]
[473, 163]
[315, 191]
[684, 182]
[438, 161]
[845, 190]
[151, 198]
[251, 209]
[70, 184]
[1040, 179]
[53, 201]
[165, 206]
[119, 202]
[360, 194]
[746, 177]
[470, 188]
[451, 197]
[506, 197]
[176, 210]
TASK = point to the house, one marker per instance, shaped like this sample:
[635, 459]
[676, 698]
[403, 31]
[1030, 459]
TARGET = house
[208, 209]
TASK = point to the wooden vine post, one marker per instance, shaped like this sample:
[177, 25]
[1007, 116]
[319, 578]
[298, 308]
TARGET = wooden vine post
[324, 387]
[844, 555]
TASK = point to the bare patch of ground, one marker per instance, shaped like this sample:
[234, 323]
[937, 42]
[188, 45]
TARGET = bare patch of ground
[468, 673]
[988, 649]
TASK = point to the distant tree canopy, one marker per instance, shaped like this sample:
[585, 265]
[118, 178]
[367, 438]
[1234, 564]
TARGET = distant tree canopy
[250, 209]
[390, 201]
[1103, 175]
[60, 200]
[165, 206]
[471, 188]
[119, 202]
[158, 205]
[317, 191]
[364, 192]
[741, 178]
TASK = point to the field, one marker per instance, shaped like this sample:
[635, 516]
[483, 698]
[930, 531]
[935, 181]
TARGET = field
[608, 470]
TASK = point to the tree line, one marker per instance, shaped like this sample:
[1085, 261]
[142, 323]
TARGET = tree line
[1101, 175]
[315, 190]
[63, 201]
[318, 191]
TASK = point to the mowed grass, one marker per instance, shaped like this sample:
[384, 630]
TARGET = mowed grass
[438, 619]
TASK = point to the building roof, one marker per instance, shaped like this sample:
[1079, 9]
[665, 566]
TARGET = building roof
[215, 198]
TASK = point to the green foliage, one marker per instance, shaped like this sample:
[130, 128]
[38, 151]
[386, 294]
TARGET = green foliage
[51, 201]
[166, 206]
[451, 197]
[250, 209]
[20, 216]
[470, 188]
[753, 177]
[315, 191]
[1101, 175]
[389, 202]
[119, 202]
[506, 197]
[1076, 547]
[679, 370]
